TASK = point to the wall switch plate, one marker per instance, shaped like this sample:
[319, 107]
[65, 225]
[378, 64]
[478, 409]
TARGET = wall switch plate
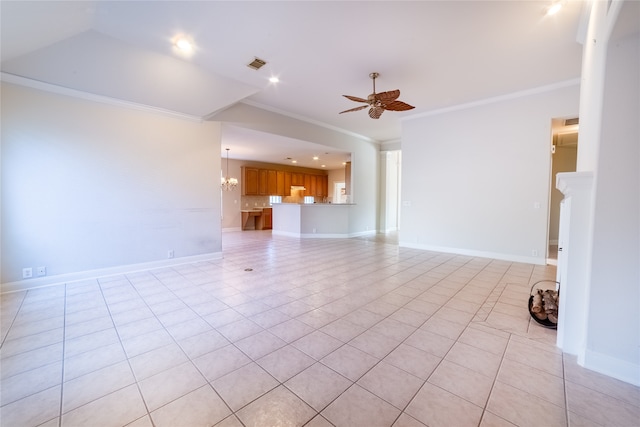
[27, 273]
[41, 271]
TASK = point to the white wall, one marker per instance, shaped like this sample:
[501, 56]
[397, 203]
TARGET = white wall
[231, 200]
[476, 180]
[89, 186]
[613, 339]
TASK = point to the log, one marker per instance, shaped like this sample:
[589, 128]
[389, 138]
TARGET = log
[549, 302]
[536, 304]
[541, 315]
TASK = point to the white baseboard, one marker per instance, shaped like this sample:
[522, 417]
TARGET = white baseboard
[539, 260]
[363, 233]
[322, 235]
[620, 369]
[40, 282]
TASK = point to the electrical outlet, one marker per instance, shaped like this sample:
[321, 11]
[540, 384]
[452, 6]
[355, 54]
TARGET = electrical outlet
[170, 254]
[41, 271]
[27, 273]
[534, 252]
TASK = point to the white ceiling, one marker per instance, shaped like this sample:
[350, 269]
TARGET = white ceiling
[438, 53]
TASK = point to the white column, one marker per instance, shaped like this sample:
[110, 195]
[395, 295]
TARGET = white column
[573, 260]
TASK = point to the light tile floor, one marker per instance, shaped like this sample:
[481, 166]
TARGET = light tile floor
[320, 332]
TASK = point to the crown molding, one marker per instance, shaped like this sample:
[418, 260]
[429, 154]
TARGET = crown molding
[61, 90]
[495, 99]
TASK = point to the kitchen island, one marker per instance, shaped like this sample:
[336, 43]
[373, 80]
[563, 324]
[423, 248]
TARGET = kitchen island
[316, 220]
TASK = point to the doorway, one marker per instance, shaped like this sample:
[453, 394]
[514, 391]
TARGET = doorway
[564, 155]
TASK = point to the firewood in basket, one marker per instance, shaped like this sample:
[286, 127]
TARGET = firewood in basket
[549, 303]
[540, 316]
[553, 318]
[536, 305]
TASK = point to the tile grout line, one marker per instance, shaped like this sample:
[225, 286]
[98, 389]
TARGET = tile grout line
[209, 383]
[64, 342]
[448, 351]
[495, 379]
[15, 316]
[100, 286]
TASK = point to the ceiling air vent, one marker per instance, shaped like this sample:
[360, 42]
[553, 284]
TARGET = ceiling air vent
[574, 121]
[257, 63]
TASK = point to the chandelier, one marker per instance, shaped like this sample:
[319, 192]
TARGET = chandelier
[227, 183]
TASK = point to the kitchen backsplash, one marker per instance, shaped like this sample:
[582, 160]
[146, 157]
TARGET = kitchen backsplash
[248, 202]
[254, 201]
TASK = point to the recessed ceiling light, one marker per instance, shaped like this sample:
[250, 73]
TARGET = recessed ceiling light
[274, 79]
[294, 161]
[554, 8]
[183, 43]
[323, 166]
[315, 157]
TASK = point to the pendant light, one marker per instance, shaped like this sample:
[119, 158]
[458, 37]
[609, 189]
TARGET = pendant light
[227, 183]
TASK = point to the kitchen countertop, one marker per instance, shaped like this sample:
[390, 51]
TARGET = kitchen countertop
[255, 209]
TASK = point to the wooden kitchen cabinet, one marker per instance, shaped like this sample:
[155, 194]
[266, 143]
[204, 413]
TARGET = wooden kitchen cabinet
[267, 218]
[279, 183]
[310, 185]
[250, 178]
[262, 182]
[297, 178]
[287, 183]
[322, 184]
[272, 183]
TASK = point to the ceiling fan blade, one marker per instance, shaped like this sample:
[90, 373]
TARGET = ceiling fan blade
[354, 109]
[398, 106]
[375, 112]
[355, 98]
[388, 96]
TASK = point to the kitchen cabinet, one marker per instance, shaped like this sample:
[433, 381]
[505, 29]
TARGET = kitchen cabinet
[322, 184]
[310, 185]
[279, 183]
[267, 219]
[297, 178]
[250, 178]
[287, 183]
[272, 183]
[262, 182]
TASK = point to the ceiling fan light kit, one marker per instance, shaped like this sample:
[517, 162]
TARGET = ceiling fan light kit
[379, 102]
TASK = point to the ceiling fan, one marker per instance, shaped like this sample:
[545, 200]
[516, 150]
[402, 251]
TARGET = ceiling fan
[378, 102]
